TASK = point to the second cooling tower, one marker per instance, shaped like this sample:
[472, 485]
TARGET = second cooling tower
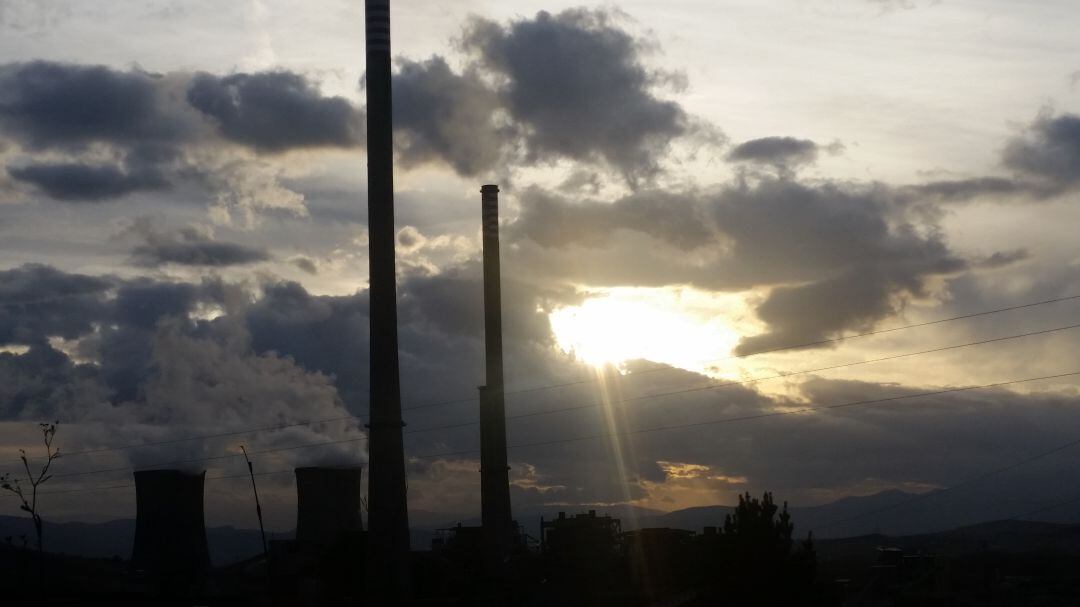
[328, 504]
[170, 533]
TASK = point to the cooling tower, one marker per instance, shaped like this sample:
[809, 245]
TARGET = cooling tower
[327, 504]
[170, 533]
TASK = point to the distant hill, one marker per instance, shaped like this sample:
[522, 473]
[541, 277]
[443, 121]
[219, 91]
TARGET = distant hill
[115, 538]
[886, 514]
[893, 513]
[1009, 537]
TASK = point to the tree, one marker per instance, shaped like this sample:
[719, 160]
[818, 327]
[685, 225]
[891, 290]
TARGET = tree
[752, 556]
[29, 503]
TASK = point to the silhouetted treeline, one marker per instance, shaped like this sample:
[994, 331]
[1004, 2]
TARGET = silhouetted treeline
[752, 558]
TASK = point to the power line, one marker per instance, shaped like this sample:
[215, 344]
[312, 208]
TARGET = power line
[744, 418]
[714, 386]
[567, 384]
[967, 482]
[1046, 508]
[711, 386]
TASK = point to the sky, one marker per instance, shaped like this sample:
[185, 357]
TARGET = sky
[689, 190]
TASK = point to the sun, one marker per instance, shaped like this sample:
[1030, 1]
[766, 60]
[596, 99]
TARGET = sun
[681, 327]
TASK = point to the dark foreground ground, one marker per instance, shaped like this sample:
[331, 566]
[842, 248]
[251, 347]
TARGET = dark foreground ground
[1004, 563]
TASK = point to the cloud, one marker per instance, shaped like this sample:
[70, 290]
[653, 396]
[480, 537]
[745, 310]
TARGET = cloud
[46, 105]
[853, 253]
[577, 84]
[776, 151]
[189, 246]
[440, 115]
[324, 334]
[306, 264]
[962, 190]
[275, 111]
[38, 301]
[554, 221]
[154, 369]
[92, 183]
[1045, 160]
[1049, 150]
[1004, 259]
[43, 381]
[573, 85]
[93, 133]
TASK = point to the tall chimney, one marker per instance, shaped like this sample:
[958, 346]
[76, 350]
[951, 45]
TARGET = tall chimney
[170, 532]
[494, 472]
[327, 504]
[388, 518]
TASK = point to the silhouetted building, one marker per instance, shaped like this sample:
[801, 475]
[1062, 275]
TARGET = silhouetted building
[584, 537]
[170, 532]
[494, 473]
[328, 504]
[582, 560]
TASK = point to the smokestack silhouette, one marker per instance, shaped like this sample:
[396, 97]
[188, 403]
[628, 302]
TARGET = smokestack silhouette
[388, 519]
[170, 532]
[494, 472]
[327, 504]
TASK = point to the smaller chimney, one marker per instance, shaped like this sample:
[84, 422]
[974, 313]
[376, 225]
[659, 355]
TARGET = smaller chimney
[327, 504]
[495, 515]
[170, 532]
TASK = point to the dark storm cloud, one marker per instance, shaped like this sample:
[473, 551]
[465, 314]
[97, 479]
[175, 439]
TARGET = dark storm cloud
[144, 301]
[440, 332]
[325, 334]
[835, 257]
[576, 82]
[109, 133]
[118, 324]
[157, 368]
[554, 221]
[189, 247]
[1050, 150]
[48, 105]
[37, 302]
[854, 300]
[76, 182]
[36, 384]
[781, 151]
[45, 104]
[441, 115]
[275, 111]
[855, 256]
[1045, 160]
